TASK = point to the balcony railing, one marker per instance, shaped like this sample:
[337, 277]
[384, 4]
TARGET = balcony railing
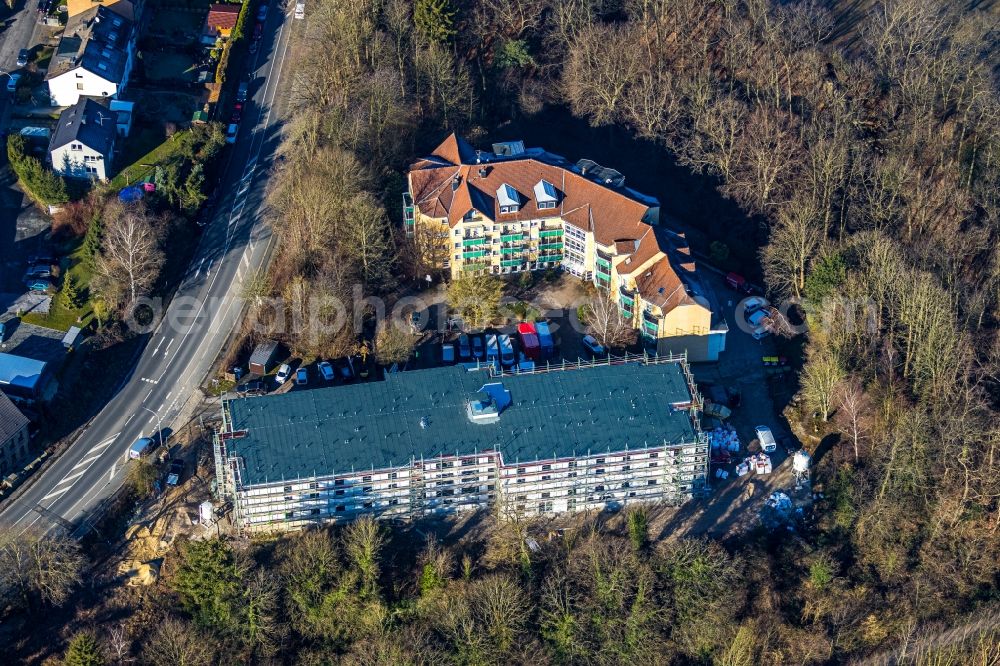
[513, 262]
[550, 233]
[473, 241]
[510, 238]
[550, 246]
[475, 254]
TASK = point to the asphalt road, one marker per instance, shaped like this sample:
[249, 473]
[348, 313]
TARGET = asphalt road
[179, 352]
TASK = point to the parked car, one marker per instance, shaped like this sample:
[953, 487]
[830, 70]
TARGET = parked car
[175, 472]
[241, 92]
[753, 304]
[3, 331]
[492, 348]
[23, 56]
[739, 283]
[253, 47]
[141, 447]
[593, 346]
[39, 271]
[326, 370]
[12, 82]
[237, 112]
[464, 348]
[300, 10]
[41, 259]
[258, 32]
[506, 350]
[760, 333]
[766, 439]
[284, 372]
[758, 318]
[448, 353]
[477, 346]
[232, 132]
[39, 285]
[262, 13]
[344, 368]
[302, 376]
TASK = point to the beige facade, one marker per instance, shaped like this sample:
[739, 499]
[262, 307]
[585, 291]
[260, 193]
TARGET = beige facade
[473, 213]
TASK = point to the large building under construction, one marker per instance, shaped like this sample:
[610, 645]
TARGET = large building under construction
[574, 437]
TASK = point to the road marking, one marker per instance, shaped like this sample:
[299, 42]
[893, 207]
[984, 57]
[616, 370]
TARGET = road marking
[149, 381]
[85, 461]
[56, 493]
[168, 346]
[105, 443]
[71, 477]
[246, 260]
[158, 345]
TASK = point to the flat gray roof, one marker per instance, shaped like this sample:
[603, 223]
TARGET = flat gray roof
[378, 424]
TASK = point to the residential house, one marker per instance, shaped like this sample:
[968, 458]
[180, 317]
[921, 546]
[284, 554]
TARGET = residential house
[220, 22]
[14, 449]
[22, 378]
[83, 142]
[594, 436]
[514, 209]
[125, 8]
[94, 57]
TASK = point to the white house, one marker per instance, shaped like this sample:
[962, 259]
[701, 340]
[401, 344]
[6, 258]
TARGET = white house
[83, 142]
[94, 57]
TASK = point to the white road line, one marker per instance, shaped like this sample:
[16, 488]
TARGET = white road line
[55, 493]
[158, 345]
[246, 260]
[105, 443]
[128, 419]
[168, 346]
[85, 461]
[72, 476]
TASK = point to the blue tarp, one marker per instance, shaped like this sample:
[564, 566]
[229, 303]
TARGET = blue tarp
[130, 194]
[21, 372]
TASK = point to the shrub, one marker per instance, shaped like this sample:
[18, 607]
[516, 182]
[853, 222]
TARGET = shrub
[38, 182]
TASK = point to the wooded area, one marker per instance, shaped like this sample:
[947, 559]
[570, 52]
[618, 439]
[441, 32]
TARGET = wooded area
[874, 169]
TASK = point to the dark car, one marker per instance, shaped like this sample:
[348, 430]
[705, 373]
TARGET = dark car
[237, 113]
[175, 472]
[262, 13]
[344, 369]
[23, 56]
[258, 31]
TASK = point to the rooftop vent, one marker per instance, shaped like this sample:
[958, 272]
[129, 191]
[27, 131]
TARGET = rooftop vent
[423, 423]
[455, 182]
[508, 148]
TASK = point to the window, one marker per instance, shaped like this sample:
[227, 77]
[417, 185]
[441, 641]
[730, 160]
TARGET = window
[393, 502]
[339, 492]
[600, 461]
[521, 498]
[468, 461]
[520, 480]
[571, 474]
[91, 169]
[79, 146]
[546, 495]
[313, 495]
[392, 475]
[546, 477]
[546, 468]
[314, 512]
[598, 489]
[366, 489]
[368, 504]
[626, 468]
[542, 205]
[653, 464]
[288, 489]
[520, 470]
[366, 479]
[79, 86]
[338, 482]
[654, 455]
[599, 470]
[340, 508]
[651, 482]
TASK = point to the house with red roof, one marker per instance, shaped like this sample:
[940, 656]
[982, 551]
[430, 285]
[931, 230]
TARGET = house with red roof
[513, 209]
[220, 22]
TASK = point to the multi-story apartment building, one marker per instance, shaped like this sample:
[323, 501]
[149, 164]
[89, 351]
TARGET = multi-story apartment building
[515, 209]
[595, 436]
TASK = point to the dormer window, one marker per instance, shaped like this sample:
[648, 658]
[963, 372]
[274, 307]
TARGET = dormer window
[509, 199]
[546, 195]
[471, 214]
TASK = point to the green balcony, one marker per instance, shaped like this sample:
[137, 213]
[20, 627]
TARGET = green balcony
[550, 257]
[474, 267]
[511, 250]
[512, 262]
[551, 246]
[604, 263]
[474, 255]
[511, 238]
[651, 327]
[627, 301]
[626, 314]
[473, 241]
[551, 233]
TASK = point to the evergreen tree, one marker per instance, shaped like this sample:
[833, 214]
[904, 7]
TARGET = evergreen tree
[92, 241]
[84, 650]
[71, 292]
[435, 20]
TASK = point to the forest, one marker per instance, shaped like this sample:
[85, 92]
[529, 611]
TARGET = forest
[861, 143]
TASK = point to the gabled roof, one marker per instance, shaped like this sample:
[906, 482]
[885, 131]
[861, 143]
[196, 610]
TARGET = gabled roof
[20, 371]
[222, 16]
[95, 40]
[86, 122]
[11, 419]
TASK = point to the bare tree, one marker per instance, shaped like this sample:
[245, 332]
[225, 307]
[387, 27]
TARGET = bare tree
[820, 378]
[606, 322]
[130, 253]
[851, 404]
[38, 566]
[393, 344]
[603, 63]
[363, 541]
[178, 643]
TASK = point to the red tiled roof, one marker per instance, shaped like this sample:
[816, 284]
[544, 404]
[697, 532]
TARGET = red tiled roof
[449, 183]
[222, 16]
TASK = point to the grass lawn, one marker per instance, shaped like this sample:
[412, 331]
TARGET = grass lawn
[170, 66]
[60, 317]
[144, 166]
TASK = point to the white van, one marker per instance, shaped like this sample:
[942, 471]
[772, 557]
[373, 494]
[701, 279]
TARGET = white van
[766, 439]
[300, 10]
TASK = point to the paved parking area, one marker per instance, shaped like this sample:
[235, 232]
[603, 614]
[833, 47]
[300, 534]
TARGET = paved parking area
[37, 342]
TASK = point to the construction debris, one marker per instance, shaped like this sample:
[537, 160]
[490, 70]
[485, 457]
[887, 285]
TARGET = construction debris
[758, 463]
[725, 439]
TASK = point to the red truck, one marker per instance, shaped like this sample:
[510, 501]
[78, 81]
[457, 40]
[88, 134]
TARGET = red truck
[529, 340]
[739, 283]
